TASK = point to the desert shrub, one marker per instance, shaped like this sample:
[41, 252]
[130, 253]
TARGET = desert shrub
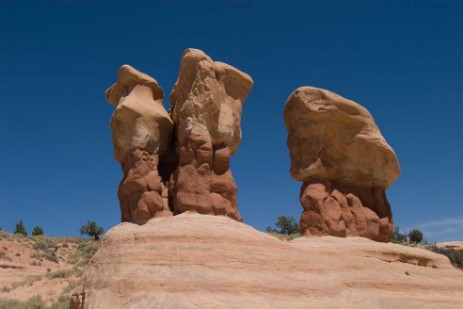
[35, 302]
[37, 231]
[455, 256]
[397, 236]
[285, 237]
[62, 273]
[20, 229]
[287, 225]
[61, 303]
[91, 229]
[415, 236]
[44, 252]
[40, 246]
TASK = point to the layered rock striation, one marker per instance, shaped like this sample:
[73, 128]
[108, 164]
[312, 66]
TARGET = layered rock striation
[345, 163]
[203, 261]
[178, 161]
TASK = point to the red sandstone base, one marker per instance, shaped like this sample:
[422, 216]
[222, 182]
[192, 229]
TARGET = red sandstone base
[142, 193]
[203, 181]
[341, 210]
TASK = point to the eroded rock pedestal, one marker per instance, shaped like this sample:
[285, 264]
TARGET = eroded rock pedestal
[142, 135]
[207, 103]
[345, 163]
[178, 162]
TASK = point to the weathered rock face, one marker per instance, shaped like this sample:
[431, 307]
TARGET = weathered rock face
[206, 103]
[189, 170]
[142, 134]
[197, 261]
[345, 163]
[337, 209]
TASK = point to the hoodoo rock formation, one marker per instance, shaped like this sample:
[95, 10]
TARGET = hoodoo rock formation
[142, 134]
[345, 163]
[207, 102]
[178, 162]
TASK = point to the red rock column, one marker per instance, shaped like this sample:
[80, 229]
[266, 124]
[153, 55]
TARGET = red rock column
[203, 182]
[142, 134]
[141, 190]
[207, 102]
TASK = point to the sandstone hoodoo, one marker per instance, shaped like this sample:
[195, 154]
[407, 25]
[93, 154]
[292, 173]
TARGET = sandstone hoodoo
[142, 134]
[180, 161]
[344, 162]
[207, 102]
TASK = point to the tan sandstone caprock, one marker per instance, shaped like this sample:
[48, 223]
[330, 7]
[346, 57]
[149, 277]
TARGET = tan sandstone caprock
[201, 261]
[345, 163]
[207, 102]
[142, 135]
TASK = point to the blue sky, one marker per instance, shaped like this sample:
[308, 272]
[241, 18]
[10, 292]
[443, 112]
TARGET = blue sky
[403, 60]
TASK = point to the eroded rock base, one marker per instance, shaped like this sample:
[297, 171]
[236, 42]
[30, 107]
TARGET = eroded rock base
[336, 209]
[142, 192]
[203, 181]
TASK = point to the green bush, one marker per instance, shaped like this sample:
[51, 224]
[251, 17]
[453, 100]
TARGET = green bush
[91, 229]
[415, 236]
[287, 225]
[37, 231]
[397, 236]
[20, 229]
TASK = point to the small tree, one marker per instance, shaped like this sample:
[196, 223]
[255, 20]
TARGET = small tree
[269, 229]
[37, 231]
[415, 236]
[397, 236]
[20, 229]
[287, 225]
[91, 229]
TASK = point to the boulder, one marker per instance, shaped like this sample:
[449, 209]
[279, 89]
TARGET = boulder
[345, 163]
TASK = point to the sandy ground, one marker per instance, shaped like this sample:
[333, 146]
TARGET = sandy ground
[25, 270]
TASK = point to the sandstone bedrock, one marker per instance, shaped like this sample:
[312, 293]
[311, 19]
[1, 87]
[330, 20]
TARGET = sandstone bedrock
[204, 261]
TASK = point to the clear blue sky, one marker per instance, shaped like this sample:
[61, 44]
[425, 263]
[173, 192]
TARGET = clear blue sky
[403, 60]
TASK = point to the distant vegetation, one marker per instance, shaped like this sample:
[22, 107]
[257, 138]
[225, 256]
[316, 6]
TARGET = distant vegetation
[35, 302]
[415, 236]
[287, 228]
[455, 256]
[37, 231]
[91, 229]
[20, 229]
[73, 252]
